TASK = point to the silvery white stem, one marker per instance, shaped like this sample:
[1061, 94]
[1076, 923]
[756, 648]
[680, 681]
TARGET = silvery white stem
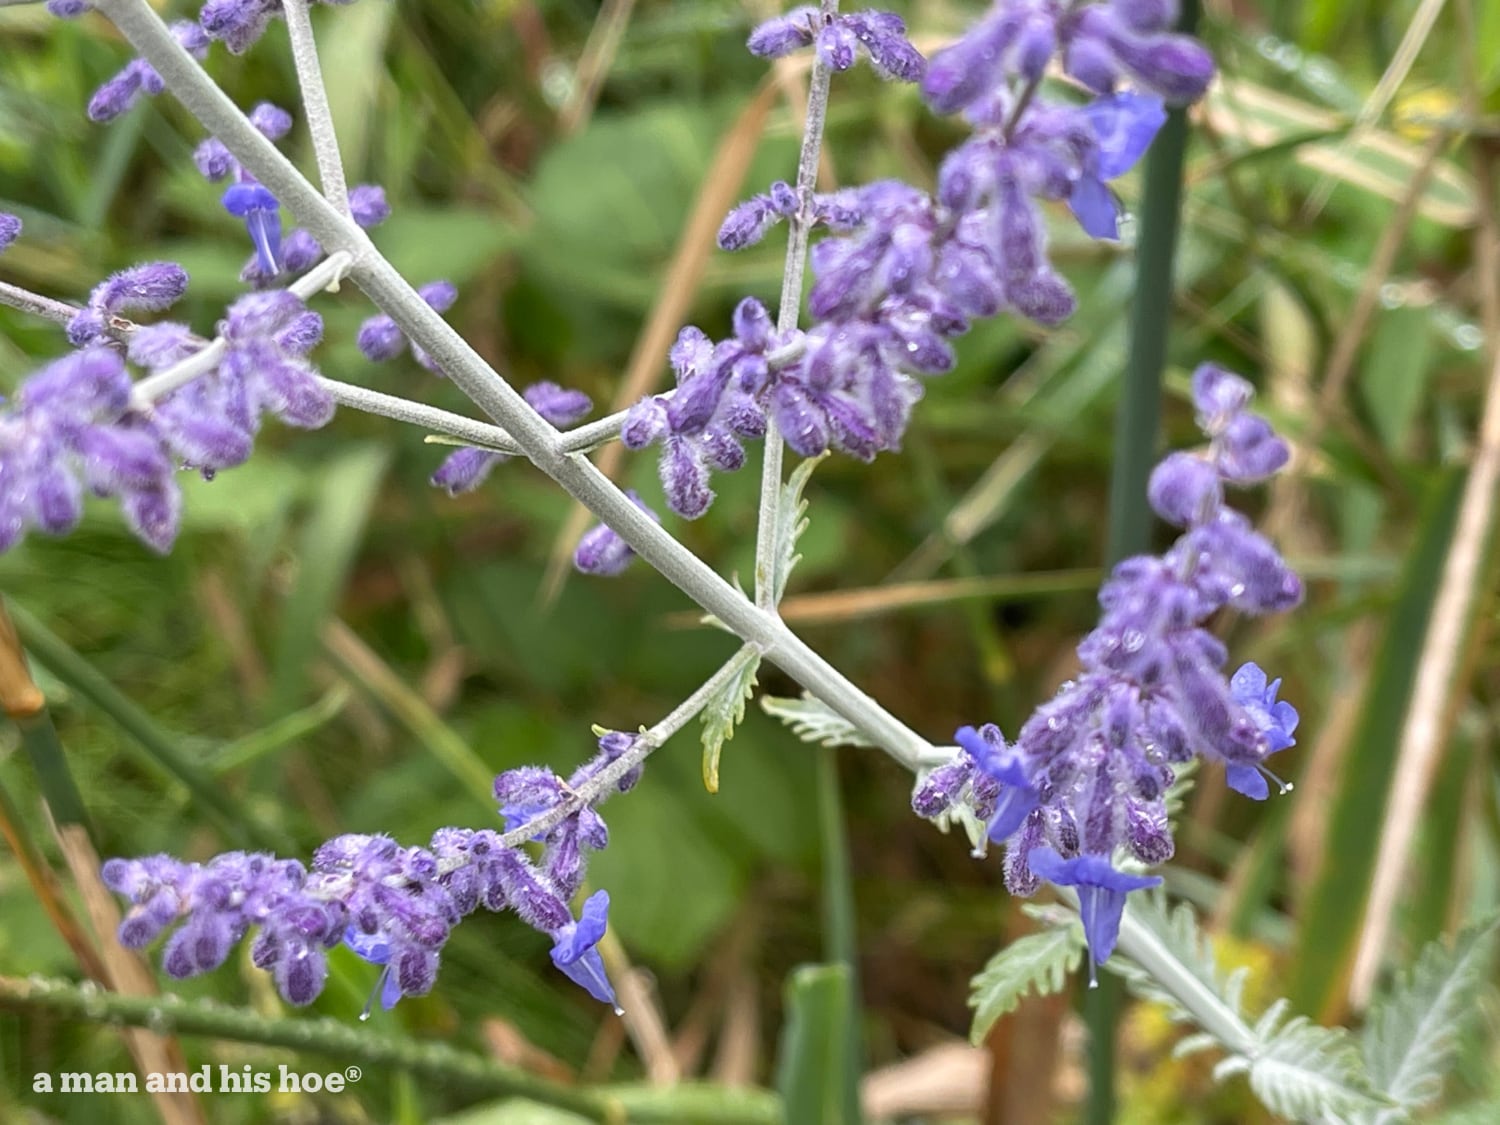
[1146, 950]
[540, 442]
[34, 303]
[645, 744]
[315, 104]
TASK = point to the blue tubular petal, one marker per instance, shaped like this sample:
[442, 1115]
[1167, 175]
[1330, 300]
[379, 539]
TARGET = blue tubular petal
[390, 991]
[574, 951]
[1095, 208]
[264, 228]
[1101, 893]
[1017, 796]
[1124, 125]
[1249, 781]
[255, 204]
[1011, 810]
[588, 972]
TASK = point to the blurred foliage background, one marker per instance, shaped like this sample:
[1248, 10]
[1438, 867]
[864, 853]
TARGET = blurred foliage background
[343, 649]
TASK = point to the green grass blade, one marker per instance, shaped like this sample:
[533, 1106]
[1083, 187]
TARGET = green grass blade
[329, 540]
[1335, 903]
[810, 1073]
[159, 751]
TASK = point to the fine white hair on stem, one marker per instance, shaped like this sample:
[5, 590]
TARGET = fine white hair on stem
[315, 104]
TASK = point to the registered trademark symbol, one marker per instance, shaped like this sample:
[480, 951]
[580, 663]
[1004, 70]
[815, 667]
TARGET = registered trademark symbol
[352, 1073]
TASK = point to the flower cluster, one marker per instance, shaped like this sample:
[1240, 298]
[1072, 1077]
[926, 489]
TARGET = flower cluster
[840, 39]
[77, 424]
[211, 422]
[139, 78]
[394, 906]
[238, 24]
[68, 429]
[903, 272]
[1088, 774]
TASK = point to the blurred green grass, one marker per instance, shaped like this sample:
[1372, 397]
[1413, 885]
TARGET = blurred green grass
[558, 244]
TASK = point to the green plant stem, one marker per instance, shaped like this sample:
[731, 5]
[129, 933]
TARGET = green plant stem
[840, 945]
[1135, 451]
[54, 778]
[160, 751]
[357, 1044]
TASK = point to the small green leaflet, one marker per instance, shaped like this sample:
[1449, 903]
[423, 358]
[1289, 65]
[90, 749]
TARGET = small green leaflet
[812, 720]
[790, 524]
[723, 712]
[1412, 1034]
[1038, 963]
[449, 439]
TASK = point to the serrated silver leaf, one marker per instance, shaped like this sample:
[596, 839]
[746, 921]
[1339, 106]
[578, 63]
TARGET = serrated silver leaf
[1037, 963]
[1413, 1031]
[812, 720]
[1308, 1073]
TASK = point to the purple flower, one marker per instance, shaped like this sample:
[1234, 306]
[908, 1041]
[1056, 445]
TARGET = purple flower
[1276, 720]
[465, 470]
[139, 77]
[748, 223]
[839, 40]
[1123, 126]
[10, 230]
[238, 23]
[561, 406]
[1017, 798]
[1101, 894]
[574, 949]
[68, 9]
[381, 339]
[601, 551]
[262, 214]
[367, 205]
[1185, 489]
[1109, 40]
[150, 287]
